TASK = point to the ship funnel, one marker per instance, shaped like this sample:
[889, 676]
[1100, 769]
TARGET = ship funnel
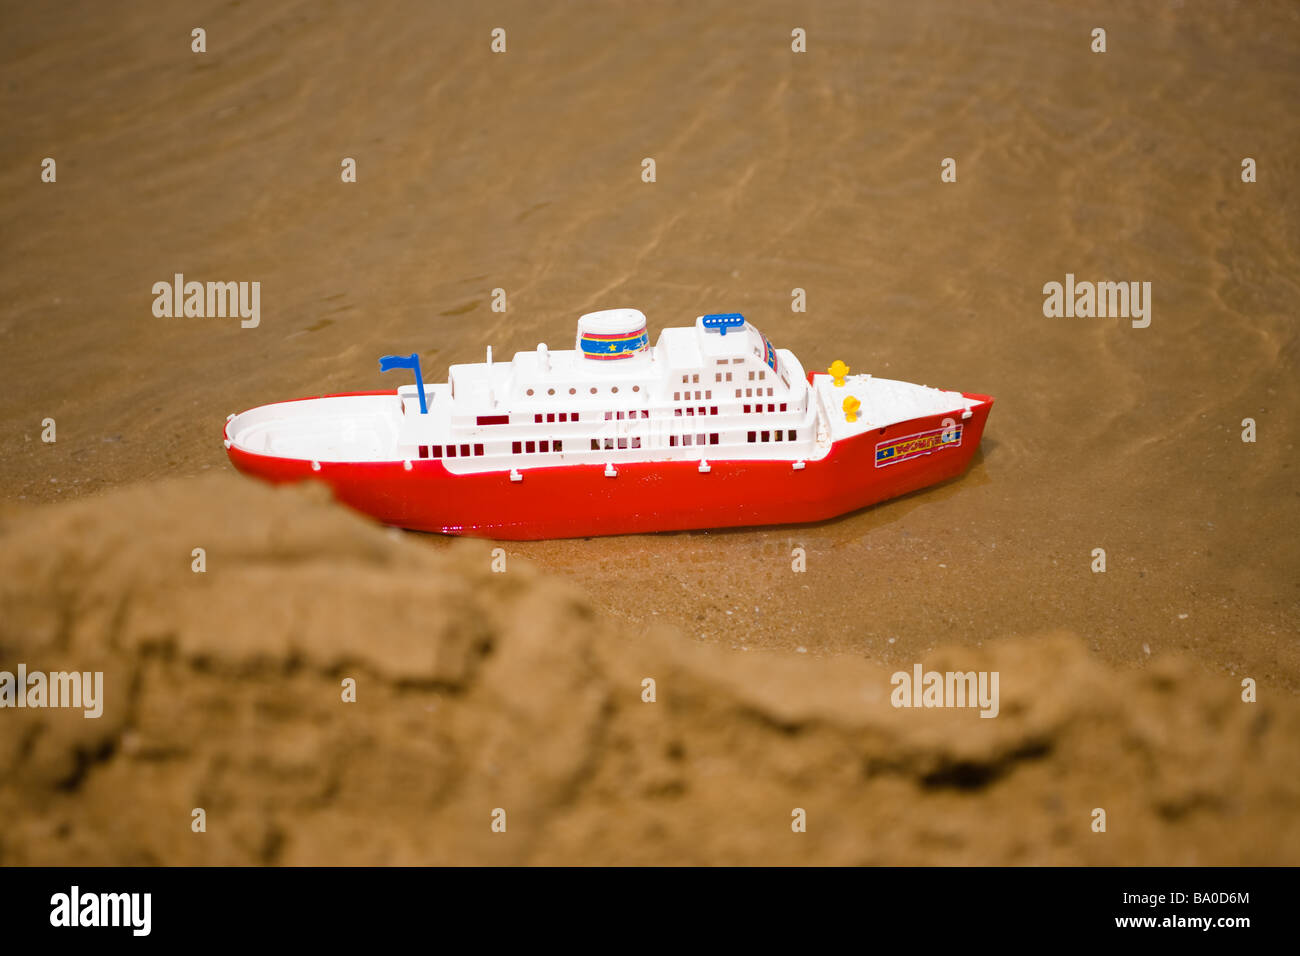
[612, 334]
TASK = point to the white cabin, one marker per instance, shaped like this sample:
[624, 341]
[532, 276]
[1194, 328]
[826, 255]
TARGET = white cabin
[717, 390]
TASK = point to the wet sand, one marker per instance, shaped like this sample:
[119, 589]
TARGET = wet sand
[775, 171]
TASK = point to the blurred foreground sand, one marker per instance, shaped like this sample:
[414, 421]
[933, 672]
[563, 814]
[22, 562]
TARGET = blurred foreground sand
[479, 690]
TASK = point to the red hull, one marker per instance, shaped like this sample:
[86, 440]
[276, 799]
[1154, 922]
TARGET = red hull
[576, 501]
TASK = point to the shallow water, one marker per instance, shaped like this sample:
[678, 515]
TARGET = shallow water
[775, 171]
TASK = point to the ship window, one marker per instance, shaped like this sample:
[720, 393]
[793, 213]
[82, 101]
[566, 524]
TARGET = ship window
[737, 361]
[614, 389]
[645, 413]
[622, 443]
[516, 447]
[776, 435]
[677, 396]
[769, 390]
[451, 451]
[636, 442]
[424, 451]
[690, 411]
[677, 413]
[529, 392]
[573, 391]
[550, 417]
[713, 410]
[559, 446]
[550, 391]
[687, 440]
[595, 444]
[593, 389]
[717, 377]
[762, 376]
[791, 434]
[530, 447]
[785, 406]
[728, 376]
[544, 446]
[751, 376]
[746, 407]
[537, 418]
[766, 436]
[435, 451]
[494, 419]
[464, 451]
[478, 449]
[685, 379]
[752, 436]
[636, 388]
[713, 439]
[609, 443]
[708, 393]
[672, 440]
[622, 416]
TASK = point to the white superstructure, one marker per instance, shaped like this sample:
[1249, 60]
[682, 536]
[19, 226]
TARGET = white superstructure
[717, 390]
[698, 393]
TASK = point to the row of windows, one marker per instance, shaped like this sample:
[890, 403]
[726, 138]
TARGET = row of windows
[533, 447]
[686, 396]
[573, 391]
[752, 392]
[699, 439]
[449, 451]
[735, 361]
[529, 447]
[552, 417]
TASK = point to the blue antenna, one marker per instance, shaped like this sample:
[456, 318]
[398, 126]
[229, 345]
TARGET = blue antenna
[721, 321]
[389, 362]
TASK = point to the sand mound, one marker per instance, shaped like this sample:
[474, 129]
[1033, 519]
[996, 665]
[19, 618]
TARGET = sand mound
[479, 690]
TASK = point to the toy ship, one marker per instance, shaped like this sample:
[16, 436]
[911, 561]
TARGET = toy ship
[710, 427]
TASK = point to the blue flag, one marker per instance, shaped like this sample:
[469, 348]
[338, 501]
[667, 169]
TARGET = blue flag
[389, 362]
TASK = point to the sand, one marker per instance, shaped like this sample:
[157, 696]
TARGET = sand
[775, 171]
[479, 691]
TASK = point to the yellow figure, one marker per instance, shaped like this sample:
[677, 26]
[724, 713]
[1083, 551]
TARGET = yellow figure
[837, 371]
[851, 406]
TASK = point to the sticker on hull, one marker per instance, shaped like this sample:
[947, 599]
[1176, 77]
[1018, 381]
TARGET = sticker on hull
[914, 446]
